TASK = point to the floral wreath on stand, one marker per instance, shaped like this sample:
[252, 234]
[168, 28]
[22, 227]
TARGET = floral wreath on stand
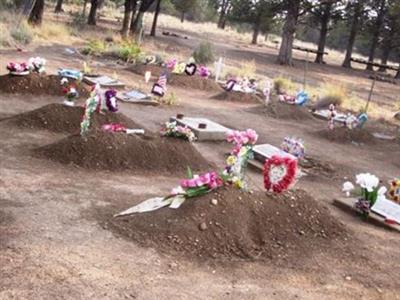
[91, 106]
[69, 91]
[111, 100]
[19, 69]
[279, 173]
[172, 129]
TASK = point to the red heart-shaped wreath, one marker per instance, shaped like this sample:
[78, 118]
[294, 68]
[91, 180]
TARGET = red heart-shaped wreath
[279, 173]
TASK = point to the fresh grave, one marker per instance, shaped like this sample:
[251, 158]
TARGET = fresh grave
[348, 120]
[204, 129]
[213, 216]
[37, 84]
[57, 117]
[112, 146]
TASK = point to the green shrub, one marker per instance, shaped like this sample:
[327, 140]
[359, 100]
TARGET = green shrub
[95, 47]
[129, 51]
[22, 33]
[204, 53]
[282, 85]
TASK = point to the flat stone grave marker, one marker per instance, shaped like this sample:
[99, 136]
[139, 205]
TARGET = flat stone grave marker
[324, 114]
[104, 81]
[137, 97]
[212, 131]
[266, 151]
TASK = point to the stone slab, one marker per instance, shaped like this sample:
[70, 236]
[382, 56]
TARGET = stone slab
[213, 131]
[266, 151]
[104, 81]
[324, 115]
[136, 97]
[348, 205]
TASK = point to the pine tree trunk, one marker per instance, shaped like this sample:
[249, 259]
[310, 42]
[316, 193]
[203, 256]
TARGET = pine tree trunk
[182, 17]
[134, 17]
[221, 18]
[138, 23]
[323, 34]
[93, 12]
[156, 13]
[377, 31]
[353, 34]
[36, 15]
[58, 8]
[256, 32]
[289, 29]
[386, 49]
[127, 18]
[84, 7]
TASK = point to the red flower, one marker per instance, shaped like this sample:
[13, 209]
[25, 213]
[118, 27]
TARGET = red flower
[282, 184]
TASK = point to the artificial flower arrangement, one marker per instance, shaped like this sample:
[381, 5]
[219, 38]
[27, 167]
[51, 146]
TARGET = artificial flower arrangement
[204, 72]
[394, 190]
[36, 64]
[69, 91]
[92, 104]
[18, 68]
[198, 185]
[369, 191]
[111, 100]
[293, 146]
[172, 129]
[116, 127]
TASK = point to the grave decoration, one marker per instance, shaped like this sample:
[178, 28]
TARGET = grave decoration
[69, 73]
[267, 92]
[160, 87]
[368, 193]
[190, 69]
[110, 97]
[36, 64]
[172, 129]
[240, 155]
[204, 72]
[394, 190]
[331, 117]
[353, 121]
[279, 173]
[147, 76]
[293, 146]
[300, 99]
[91, 106]
[171, 64]
[197, 185]
[19, 69]
[241, 85]
[70, 92]
[115, 127]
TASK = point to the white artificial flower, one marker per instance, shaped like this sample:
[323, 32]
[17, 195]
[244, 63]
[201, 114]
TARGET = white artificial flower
[382, 191]
[367, 181]
[178, 191]
[347, 188]
[64, 80]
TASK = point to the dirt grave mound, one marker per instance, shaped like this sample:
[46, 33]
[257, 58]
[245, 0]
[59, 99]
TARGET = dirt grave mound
[345, 135]
[238, 97]
[61, 118]
[279, 110]
[244, 226]
[183, 81]
[35, 84]
[119, 151]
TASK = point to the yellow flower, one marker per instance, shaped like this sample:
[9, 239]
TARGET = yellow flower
[238, 183]
[231, 160]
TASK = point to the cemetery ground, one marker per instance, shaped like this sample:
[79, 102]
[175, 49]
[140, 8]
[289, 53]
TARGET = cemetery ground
[56, 235]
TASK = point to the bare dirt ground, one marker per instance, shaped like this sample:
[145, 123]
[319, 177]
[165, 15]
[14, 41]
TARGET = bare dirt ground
[52, 246]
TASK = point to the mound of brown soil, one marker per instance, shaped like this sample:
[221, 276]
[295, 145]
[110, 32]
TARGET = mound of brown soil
[279, 110]
[242, 225]
[35, 84]
[119, 151]
[238, 97]
[60, 118]
[343, 135]
[184, 81]
[194, 82]
[155, 70]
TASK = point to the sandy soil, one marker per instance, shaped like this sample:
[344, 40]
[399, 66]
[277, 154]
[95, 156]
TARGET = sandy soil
[52, 248]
